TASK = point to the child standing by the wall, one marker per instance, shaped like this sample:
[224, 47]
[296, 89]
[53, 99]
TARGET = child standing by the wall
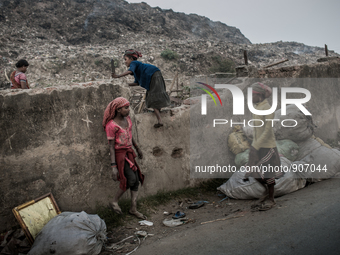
[149, 77]
[118, 127]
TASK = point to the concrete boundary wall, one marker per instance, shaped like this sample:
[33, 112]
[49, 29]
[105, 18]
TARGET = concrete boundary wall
[52, 140]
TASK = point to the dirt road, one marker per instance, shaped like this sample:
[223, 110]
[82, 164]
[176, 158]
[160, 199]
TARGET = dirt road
[304, 222]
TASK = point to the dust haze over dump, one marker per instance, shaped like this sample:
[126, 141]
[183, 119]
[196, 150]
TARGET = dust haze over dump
[310, 22]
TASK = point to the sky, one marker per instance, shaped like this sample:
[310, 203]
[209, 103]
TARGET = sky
[312, 22]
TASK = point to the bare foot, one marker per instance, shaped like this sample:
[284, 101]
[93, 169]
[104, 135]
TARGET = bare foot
[267, 206]
[138, 215]
[115, 207]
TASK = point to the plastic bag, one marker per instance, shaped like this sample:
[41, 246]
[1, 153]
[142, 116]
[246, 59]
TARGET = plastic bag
[248, 132]
[237, 142]
[71, 233]
[316, 162]
[288, 149]
[236, 187]
[302, 131]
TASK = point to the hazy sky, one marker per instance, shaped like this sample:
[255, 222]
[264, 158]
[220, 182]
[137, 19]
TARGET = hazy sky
[312, 22]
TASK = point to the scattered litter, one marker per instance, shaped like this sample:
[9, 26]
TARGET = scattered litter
[174, 222]
[188, 201]
[166, 213]
[145, 223]
[197, 204]
[134, 248]
[115, 246]
[14, 242]
[141, 233]
[179, 215]
[223, 199]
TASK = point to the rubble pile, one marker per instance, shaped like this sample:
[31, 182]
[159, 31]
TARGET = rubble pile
[64, 42]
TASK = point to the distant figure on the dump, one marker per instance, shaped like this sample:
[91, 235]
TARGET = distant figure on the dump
[18, 77]
[149, 77]
[118, 127]
[263, 151]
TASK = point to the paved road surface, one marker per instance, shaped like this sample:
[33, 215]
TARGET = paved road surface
[305, 222]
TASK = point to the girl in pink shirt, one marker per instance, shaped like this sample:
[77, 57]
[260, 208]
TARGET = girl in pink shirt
[18, 77]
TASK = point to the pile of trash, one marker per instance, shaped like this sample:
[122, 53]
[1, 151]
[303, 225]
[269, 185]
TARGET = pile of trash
[304, 158]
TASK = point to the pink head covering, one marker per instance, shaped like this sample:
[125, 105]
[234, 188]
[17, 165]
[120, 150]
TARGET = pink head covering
[110, 111]
[133, 53]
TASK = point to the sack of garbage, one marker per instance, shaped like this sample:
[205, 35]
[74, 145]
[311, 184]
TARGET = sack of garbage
[236, 187]
[286, 148]
[242, 158]
[248, 132]
[316, 162]
[237, 142]
[302, 131]
[71, 233]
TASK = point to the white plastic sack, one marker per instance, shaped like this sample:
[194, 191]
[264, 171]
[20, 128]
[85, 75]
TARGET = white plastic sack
[316, 162]
[288, 149]
[242, 158]
[237, 188]
[71, 233]
[302, 131]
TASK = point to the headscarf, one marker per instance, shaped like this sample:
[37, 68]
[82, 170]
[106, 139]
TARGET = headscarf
[110, 111]
[260, 88]
[133, 53]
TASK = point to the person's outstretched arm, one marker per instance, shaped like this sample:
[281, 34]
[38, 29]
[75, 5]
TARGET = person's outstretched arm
[121, 75]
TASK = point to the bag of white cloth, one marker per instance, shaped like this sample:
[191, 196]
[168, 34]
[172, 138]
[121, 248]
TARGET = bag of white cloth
[236, 187]
[71, 233]
[303, 130]
[316, 162]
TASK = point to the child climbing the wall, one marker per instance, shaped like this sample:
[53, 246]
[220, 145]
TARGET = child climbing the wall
[149, 77]
[118, 127]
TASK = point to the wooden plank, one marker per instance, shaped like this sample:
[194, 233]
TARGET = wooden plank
[173, 82]
[142, 103]
[280, 62]
[245, 54]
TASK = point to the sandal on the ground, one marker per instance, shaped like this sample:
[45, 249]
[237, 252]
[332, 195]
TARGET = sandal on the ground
[158, 125]
[138, 215]
[115, 208]
[267, 206]
[178, 215]
[196, 205]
